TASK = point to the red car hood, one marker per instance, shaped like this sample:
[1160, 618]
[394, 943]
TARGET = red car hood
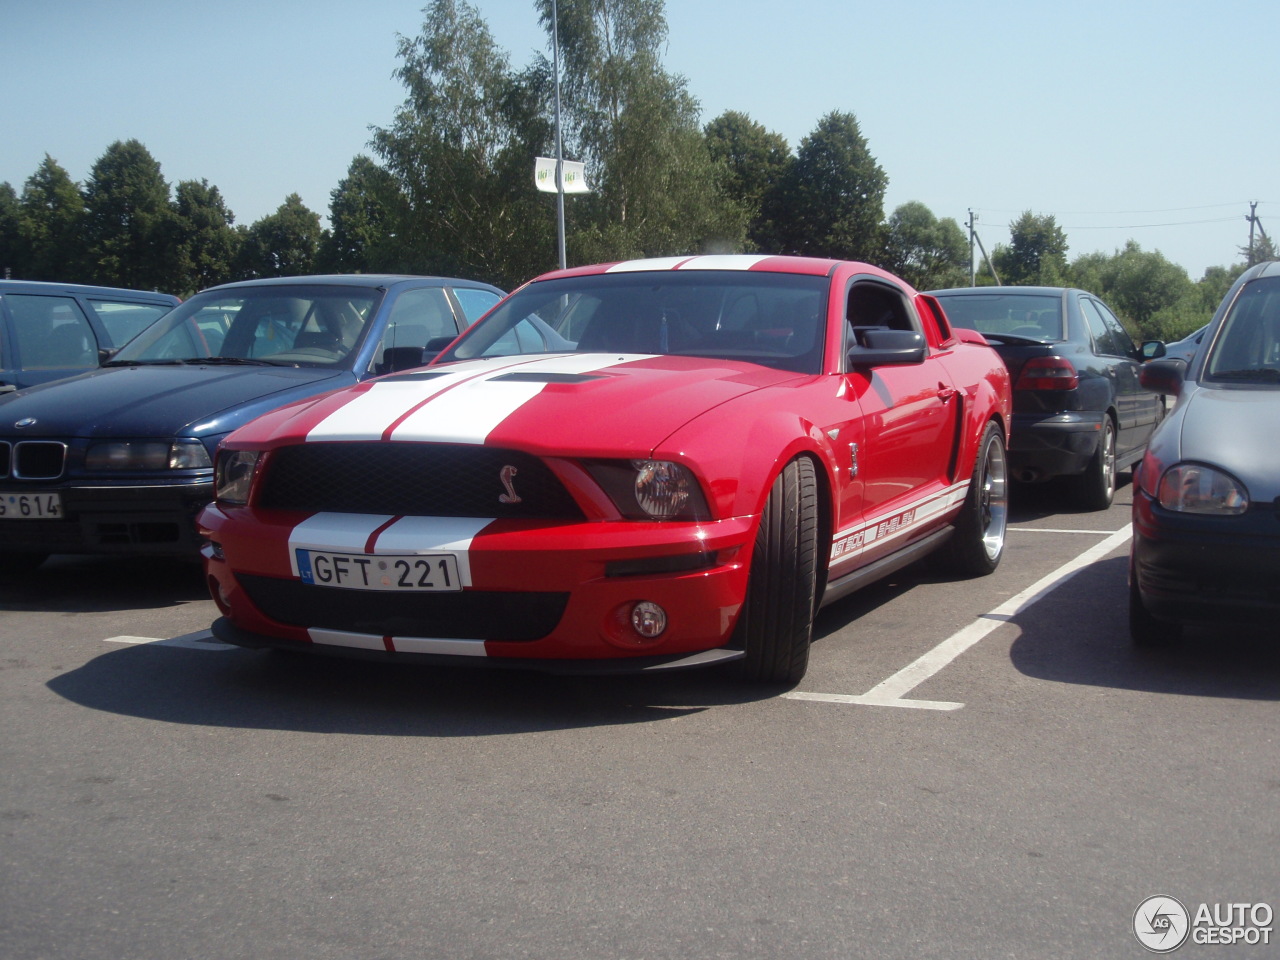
[570, 405]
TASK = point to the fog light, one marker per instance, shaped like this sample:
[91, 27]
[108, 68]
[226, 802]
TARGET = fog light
[648, 619]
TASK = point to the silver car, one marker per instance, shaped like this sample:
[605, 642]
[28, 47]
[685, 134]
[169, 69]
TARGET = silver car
[1206, 497]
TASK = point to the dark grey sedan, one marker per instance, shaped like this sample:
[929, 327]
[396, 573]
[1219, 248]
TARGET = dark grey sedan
[1078, 409]
[1206, 498]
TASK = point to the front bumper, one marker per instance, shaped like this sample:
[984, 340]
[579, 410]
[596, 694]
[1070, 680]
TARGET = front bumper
[1041, 447]
[549, 596]
[1193, 568]
[136, 519]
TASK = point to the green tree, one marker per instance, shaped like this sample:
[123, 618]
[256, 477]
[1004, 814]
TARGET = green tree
[461, 150]
[52, 225]
[831, 203]
[282, 244]
[757, 161]
[926, 252]
[1154, 297]
[658, 189]
[361, 212]
[130, 232]
[13, 252]
[208, 242]
[1036, 255]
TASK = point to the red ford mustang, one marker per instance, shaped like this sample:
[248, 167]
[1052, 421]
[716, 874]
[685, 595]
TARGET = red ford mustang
[643, 465]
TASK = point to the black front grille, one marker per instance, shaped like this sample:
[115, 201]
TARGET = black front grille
[37, 459]
[469, 615]
[413, 479]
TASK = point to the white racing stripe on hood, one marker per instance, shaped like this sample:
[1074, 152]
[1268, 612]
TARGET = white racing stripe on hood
[333, 533]
[470, 411]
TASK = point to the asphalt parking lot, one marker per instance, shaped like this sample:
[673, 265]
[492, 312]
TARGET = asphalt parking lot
[983, 768]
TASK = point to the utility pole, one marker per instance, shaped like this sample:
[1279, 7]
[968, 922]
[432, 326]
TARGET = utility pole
[974, 238]
[555, 46]
[1254, 221]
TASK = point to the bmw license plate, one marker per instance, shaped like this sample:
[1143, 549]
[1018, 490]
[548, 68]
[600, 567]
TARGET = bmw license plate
[427, 572]
[30, 506]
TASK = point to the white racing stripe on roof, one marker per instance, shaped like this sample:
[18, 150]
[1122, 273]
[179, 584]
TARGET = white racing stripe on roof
[711, 262]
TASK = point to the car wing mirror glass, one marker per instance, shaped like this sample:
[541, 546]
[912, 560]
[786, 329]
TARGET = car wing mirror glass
[1163, 376]
[1152, 349]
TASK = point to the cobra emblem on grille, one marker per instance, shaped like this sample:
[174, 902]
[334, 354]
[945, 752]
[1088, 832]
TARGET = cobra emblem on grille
[510, 496]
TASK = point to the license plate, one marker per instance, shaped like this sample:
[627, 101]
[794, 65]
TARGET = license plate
[30, 506]
[429, 572]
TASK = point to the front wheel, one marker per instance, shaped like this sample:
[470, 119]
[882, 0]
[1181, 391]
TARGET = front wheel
[976, 546]
[1146, 630]
[775, 627]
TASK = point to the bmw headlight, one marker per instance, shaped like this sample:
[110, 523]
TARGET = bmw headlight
[235, 475]
[651, 489]
[147, 455]
[1197, 488]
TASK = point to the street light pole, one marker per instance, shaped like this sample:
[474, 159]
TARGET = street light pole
[555, 56]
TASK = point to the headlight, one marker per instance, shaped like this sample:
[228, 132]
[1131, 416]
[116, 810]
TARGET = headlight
[1197, 488]
[147, 455]
[235, 475]
[651, 489]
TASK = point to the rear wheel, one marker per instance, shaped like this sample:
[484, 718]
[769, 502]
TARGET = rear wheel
[977, 545]
[1097, 485]
[776, 624]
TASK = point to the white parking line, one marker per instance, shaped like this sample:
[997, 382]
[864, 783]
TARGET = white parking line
[892, 692]
[1096, 533]
[200, 640]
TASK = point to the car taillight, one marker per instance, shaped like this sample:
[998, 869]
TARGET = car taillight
[1048, 373]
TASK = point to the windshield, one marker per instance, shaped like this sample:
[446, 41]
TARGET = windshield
[774, 319]
[302, 325]
[1025, 316]
[1247, 348]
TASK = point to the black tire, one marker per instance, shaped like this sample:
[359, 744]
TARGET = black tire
[1145, 630]
[1096, 487]
[775, 627]
[18, 563]
[977, 545]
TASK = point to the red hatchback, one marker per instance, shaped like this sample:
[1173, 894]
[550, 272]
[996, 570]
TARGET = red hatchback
[643, 465]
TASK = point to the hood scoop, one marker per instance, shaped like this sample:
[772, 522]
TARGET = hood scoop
[534, 376]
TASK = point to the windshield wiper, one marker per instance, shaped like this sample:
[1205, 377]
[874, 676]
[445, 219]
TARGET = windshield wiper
[233, 361]
[139, 363]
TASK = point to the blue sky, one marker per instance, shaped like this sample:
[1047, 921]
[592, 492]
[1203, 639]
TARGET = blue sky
[1125, 120]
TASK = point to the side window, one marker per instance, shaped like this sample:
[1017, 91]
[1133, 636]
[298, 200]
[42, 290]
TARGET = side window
[51, 333]
[1103, 342]
[475, 303]
[1119, 335]
[872, 304]
[416, 317]
[124, 321]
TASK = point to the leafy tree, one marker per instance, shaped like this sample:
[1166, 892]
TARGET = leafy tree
[757, 161]
[208, 243]
[831, 203]
[1154, 297]
[52, 225]
[1262, 250]
[461, 150]
[657, 188]
[360, 217]
[1037, 253]
[282, 244]
[13, 252]
[130, 232]
[926, 252]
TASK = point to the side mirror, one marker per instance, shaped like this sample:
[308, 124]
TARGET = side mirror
[1152, 349]
[1164, 377]
[877, 346]
[395, 359]
[435, 346]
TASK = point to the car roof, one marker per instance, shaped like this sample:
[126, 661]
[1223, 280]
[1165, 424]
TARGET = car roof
[352, 280]
[813, 266]
[1004, 291]
[83, 290]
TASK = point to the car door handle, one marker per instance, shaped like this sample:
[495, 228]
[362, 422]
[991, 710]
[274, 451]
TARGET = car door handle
[945, 392]
[7, 387]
